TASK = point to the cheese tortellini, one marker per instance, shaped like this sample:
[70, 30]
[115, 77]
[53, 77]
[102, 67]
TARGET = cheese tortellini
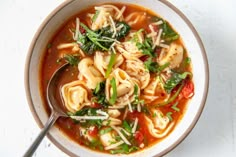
[101, 60]
[159, 125]
[125, 88]
[75, 95]
[135, 68]
[155, 91]
[129, 50]
[174, 56]
[89, 72]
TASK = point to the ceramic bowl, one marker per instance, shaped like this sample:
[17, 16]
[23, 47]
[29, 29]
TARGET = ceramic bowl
[163, 8]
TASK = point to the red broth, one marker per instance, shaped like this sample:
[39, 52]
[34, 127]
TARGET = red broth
[142, 138]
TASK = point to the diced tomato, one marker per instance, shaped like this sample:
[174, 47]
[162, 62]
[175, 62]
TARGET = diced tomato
[188, 90]
[82, 30]
[93, 131]
[139, 137]
[144, 58]
[96, 105]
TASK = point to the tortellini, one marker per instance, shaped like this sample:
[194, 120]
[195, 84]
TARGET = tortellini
[129, 50]
[89, 73]
[135, 68]
[174, 56]
[159, 125]
[155, 91]
[125, 88]
[75, 95]
[105, 15]
[101, 61]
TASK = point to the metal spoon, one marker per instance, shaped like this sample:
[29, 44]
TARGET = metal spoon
[56, 111]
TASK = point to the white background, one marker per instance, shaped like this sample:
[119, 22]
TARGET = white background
[215, 132]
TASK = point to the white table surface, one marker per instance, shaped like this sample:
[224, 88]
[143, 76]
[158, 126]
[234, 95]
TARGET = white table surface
[215, 132]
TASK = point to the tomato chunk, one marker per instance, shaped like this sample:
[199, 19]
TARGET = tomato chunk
[96, 105]
[93, 131]
[139, 136]
[188, 90]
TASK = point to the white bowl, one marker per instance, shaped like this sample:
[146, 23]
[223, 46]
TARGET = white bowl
[163, 8]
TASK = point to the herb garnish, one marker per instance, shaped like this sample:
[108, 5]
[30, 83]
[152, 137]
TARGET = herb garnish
[153, 67]
[114, 91]
[174, 107]
[102, 39]
[71, 59]
[99, 93]
[146, 47]
[172, 98]
[126, 126]
[136, 98]
[175, 80]
[168, 114]
[110, 65]
[105, 130]
[124, 149]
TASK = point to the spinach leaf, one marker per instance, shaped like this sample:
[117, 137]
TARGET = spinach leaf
[86, 111]
[146, 47]
[175, 80]
[71, 59]
[172, 98]
[151, 66]
[162, 67]
[168, 33]
[99, 93]
[101, 39]
[126, 126]
[123, 31]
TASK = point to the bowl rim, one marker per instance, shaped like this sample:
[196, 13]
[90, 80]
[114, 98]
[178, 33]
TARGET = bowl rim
[27, 69]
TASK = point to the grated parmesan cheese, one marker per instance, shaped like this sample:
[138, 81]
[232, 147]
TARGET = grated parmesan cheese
[121, 135]
[157, 42]
[135, 125]
[164, 46]
[77, 21]
[113, 146]
[66, 45]
[113, 27]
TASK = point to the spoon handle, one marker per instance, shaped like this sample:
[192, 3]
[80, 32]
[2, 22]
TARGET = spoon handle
[53, 117]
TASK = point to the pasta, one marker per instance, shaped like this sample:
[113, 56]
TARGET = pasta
[75, 95]
[89, 72]
[129, 81]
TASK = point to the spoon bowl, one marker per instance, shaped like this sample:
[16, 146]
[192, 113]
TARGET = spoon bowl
[56, 111]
